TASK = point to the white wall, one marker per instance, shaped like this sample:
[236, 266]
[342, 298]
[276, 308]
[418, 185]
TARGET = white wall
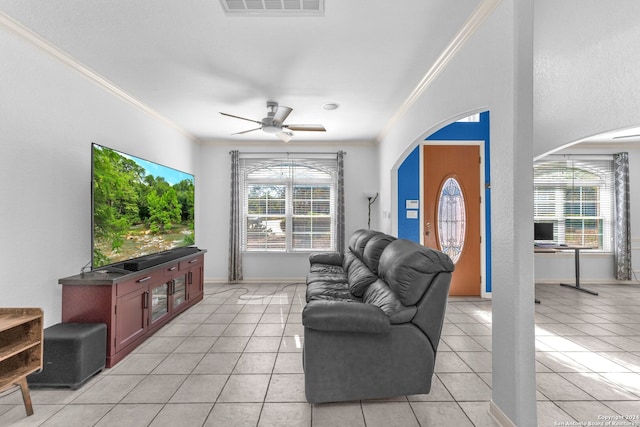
[361, 174]
[587, 69]
[49, 115]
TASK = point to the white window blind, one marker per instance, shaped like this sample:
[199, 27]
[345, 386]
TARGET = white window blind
[289, 202]
[576, 195]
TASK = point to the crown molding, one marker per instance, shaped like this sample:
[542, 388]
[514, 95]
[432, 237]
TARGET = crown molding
[466, 31]
[16, 28]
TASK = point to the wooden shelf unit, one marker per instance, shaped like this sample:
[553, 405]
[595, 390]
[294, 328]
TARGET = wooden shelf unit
[21, 347]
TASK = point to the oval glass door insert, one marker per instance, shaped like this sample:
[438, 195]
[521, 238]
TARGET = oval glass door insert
[451, 219]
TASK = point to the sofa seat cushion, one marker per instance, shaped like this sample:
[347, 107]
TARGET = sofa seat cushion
[380, 295]
[331, 291]
[336, 277]
[326, 269]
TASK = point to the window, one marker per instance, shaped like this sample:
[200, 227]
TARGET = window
[289, 203]
[577, 196]
[474, 118]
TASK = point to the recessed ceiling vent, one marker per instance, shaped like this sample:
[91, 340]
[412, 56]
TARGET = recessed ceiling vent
[273, 7]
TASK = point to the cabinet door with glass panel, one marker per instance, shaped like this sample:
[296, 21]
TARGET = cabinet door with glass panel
[159, 304]
[178, 292]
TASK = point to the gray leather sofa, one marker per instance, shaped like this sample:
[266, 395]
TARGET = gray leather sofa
[373, 319]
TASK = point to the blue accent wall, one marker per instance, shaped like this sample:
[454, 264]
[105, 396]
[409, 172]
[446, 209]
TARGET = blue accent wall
[409, 189]
[409, 180]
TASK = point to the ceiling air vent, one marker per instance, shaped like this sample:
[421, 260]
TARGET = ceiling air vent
[273, 7]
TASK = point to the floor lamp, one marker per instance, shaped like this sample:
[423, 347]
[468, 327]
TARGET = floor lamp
[371, 197]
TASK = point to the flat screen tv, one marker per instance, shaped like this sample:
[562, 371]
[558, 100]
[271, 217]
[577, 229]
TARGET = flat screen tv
[138, 207]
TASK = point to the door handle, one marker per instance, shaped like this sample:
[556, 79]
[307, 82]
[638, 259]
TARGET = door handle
[427, 226]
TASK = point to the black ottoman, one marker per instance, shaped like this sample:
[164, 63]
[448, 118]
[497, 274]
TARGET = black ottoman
[73, 353]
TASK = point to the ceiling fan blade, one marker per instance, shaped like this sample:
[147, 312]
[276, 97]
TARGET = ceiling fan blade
[625, 136]
[246, 131]
[241, 118]
[281, 114]
[308, 128]
[285, 136]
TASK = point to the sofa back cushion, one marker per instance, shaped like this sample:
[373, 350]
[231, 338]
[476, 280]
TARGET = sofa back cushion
[409, 268]
[360, 277]
[380, 295]
[373, 250]
[359, 240]
[353, 239]
[347, 259]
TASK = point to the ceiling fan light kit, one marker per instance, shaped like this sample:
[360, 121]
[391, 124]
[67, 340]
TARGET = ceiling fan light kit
[274, 123]
[329, 106]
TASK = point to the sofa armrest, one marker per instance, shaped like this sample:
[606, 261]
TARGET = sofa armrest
[331, 258]
[339, 316]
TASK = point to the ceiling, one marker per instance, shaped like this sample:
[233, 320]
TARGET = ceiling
[185, 61]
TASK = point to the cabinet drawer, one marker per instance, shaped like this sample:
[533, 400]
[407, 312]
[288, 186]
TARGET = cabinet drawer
[139, 282]
[171, 271]
[192, 262]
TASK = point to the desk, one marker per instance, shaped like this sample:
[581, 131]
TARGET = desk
[576, 249]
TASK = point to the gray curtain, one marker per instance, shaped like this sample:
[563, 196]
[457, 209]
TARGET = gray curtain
[235, 230]
[622, 226]
[340, 236]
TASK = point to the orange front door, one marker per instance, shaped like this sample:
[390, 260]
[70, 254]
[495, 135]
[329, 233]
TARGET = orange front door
[452, 211]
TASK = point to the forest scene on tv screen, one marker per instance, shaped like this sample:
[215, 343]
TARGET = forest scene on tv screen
[139, 207]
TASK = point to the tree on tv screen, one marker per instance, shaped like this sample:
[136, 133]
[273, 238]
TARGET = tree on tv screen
[164, 209]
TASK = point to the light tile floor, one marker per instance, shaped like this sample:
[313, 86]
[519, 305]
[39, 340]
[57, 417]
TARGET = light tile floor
[235, 360]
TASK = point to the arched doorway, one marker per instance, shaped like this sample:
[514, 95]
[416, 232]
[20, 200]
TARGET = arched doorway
[411, 209]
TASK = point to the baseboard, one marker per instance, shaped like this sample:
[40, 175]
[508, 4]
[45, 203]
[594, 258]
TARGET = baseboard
[585, 282]
[258, 281]
[499, 416]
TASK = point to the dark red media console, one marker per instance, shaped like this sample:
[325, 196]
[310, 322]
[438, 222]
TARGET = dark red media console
[135, 304]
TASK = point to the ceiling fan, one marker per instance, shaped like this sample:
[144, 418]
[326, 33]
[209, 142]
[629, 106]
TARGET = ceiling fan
[274, 122]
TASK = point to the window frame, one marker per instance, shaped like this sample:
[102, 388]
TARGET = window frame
[290, 178]
[583, 173]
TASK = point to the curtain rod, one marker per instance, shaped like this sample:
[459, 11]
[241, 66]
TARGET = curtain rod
[288, 152]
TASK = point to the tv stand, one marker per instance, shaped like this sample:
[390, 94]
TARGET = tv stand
[133, 304]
